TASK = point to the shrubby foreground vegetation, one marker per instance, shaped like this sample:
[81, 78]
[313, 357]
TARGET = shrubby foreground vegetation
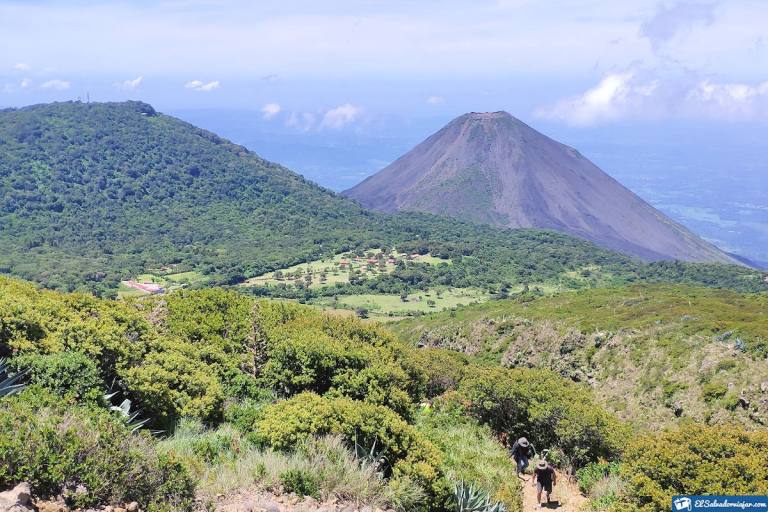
[253, 393]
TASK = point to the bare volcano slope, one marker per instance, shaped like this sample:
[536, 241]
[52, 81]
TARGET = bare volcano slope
[493, 168]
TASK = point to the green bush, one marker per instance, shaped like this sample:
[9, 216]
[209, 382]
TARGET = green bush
[593, 472]
[286, 424]
[713, 391]
[174, 382]
[444, 369]
[552, 412]
[87, 455]
[342, 357]
[178, 355]
[694, 459]
[301, 482]
[188, 353]
[68, 374]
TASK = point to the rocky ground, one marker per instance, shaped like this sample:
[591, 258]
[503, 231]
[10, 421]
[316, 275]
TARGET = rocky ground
[19, 499]
[267, 502]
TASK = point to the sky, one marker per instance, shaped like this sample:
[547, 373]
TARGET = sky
[668, 96]
[329, 65]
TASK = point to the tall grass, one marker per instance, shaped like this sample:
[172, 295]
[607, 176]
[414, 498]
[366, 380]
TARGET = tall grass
[224, 462]
[472, 454]
[602, 482]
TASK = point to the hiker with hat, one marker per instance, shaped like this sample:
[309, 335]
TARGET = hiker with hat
[521, 452]
[544, 478]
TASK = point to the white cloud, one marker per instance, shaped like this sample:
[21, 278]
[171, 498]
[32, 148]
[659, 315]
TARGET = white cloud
[340, 116]
[21, 66]
[270, 110]
[731, 101]
[209, 86]
[197, 85]
[304, 121]
[131, 84]
[627, 95]
[58, 85]
[435, 100]
[25, 83]
[614, 97]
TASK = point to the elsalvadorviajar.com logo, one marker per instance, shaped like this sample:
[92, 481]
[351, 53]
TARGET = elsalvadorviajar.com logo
[722, 503]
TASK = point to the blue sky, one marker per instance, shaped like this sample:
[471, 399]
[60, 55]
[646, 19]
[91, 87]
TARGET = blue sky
[328, 65]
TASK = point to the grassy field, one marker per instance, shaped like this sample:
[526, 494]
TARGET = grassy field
[339, 268]
[394, 307]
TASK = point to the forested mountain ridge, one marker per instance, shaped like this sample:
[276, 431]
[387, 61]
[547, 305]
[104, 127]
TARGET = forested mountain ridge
[92, 193]
[121, 186]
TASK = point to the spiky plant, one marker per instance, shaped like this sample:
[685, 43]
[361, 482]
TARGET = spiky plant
[371, 455]
[471, 499]
[9, 384]
[497, 507]
[131, 418]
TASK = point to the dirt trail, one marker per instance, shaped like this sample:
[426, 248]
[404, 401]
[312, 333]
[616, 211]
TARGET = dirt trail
[565, 496]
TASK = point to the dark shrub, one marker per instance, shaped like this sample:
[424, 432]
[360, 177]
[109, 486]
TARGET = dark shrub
[301, 482]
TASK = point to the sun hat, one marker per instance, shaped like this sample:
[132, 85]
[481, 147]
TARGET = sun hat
[542, 464]
[523, 442]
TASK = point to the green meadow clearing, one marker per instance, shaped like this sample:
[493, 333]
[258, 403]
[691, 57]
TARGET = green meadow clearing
[389, 306]
[338, 269]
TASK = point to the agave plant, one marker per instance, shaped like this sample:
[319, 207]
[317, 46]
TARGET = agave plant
[9, 384]
[371, 455]
[471, 499]
[131, 418]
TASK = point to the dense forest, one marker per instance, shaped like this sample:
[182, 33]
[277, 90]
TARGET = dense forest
[93, 193]
[243, 393]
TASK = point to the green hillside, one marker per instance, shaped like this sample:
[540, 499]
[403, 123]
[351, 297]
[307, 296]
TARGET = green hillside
[94, 193]
[272, 396]
[652, 354]
[97, 192]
